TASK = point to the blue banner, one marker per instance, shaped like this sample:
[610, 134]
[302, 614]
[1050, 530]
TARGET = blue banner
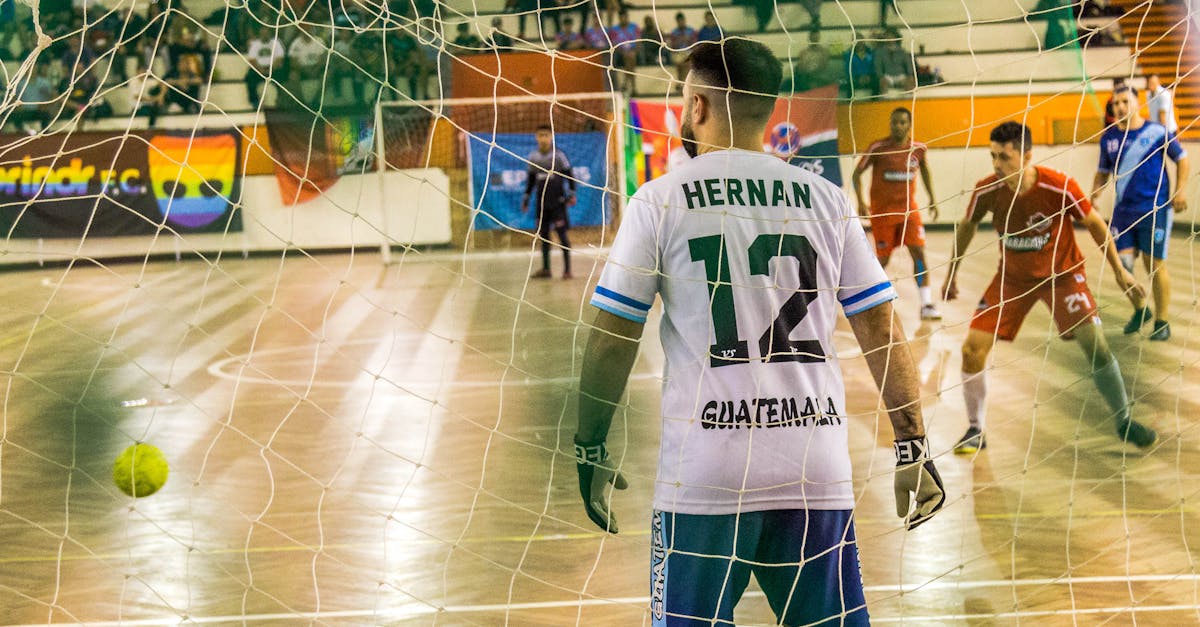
[499, 166]
[822, 158]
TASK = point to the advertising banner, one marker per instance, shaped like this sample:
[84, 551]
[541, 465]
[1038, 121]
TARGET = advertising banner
[499, 168]
[118, 184]
[802, 130]
[312, 153]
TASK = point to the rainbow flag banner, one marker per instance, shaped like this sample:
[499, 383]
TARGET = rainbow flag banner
[802, 130]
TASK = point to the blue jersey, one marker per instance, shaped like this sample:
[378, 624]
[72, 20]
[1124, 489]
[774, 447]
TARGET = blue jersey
[1136, 157]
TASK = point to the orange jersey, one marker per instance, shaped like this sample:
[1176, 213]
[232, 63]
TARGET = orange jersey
[894, 169]
[1036, 239]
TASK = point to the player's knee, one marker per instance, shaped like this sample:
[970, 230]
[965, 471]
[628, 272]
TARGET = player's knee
[1127, 261]
[974, 355]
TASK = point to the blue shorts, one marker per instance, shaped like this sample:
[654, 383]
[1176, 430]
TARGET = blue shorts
[806, 562]
[1148, 232]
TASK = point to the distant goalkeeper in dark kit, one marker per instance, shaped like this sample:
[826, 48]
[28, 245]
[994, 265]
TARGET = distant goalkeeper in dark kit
[551, 185]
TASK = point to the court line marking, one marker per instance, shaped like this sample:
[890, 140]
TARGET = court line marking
[558, 537]
[413, 612]
[218, 369]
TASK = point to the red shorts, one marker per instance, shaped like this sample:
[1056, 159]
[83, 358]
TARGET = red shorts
[1005, 304]
[892, 230]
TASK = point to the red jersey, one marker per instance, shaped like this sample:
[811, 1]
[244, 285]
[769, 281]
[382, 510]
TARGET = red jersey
[1036, 236]
[894, 169]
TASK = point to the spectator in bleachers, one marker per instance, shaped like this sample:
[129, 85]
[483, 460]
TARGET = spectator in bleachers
[127, 36]
[568, 38]
[162, 20]
[413, 64]
[595, 35]
[1097, 8]
[467, 40]
[814, 67]
[77, 52]
[344, 84]
[522, 9]
[893, 64]
[1161, 104]
[710, 31]
[543, 9]
[498, 39]
[17, 28]
[306, 64]
[186, 43]
[8, 28]
[184, 82]
[859, 64]
[266, 55]
[650, 49]
[82, 88]
[146, 92]
[764, 12]
[884, 5]
[680, 41]
[35, 95]
[605, 10]
[624, 35]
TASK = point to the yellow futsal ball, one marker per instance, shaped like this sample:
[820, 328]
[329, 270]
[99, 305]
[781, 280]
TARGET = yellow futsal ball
[140, 470]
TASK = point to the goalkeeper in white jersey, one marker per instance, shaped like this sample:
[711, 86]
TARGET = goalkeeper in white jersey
[752, 259]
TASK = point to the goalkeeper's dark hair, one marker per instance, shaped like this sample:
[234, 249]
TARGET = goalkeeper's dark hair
[1013, 133]
[543, 127]
[903, 110]
[1125, 88]
[746, 68]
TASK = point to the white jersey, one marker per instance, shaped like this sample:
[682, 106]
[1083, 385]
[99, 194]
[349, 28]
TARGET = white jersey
[751, 257]
[1159, 103]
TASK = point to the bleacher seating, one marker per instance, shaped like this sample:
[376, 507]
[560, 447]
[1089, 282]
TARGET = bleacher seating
[995, 49]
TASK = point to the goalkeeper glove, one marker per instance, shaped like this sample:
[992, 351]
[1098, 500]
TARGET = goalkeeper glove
[915, 474]
[595, 473]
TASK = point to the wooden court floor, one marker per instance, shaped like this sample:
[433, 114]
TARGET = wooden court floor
[355, 444]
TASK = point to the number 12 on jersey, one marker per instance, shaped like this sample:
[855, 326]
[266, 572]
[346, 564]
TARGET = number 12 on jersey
[774, 345]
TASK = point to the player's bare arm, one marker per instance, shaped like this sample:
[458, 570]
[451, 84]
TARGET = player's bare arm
[611, 350]
[1098, 184]
[964, 232]
[1179, 200]
[1099, 231]
[927, 180]
[918, 487]
[886, 350]
[862, 206]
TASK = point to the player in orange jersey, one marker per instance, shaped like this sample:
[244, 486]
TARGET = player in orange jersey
[1032, 209]
[895, 219]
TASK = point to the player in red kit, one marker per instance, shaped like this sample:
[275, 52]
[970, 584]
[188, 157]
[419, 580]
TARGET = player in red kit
[1032, 209]
[895, 162]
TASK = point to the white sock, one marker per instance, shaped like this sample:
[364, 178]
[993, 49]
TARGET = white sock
[975, 394]
[926, 293]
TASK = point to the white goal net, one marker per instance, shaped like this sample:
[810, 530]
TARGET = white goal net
[309, 251]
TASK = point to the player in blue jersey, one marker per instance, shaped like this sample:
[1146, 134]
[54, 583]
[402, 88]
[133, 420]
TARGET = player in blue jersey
[1134, 151]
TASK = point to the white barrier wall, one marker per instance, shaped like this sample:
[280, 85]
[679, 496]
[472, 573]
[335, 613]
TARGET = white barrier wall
[955, 171]
[409, 206]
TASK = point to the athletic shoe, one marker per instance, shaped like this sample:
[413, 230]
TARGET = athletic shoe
[1139, 319]
[567, 276]
[540, 274]
[929, 312]
[971, 442]
[1136, 433]
[1161, 332]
